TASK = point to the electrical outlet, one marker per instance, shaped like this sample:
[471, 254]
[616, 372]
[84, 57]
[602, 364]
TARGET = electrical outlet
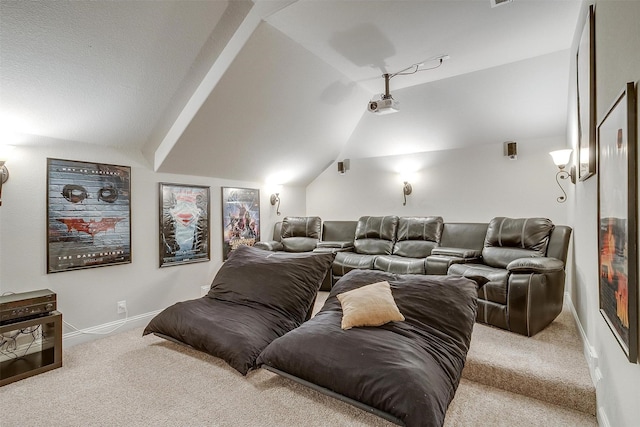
[204, 289]
[122, 307]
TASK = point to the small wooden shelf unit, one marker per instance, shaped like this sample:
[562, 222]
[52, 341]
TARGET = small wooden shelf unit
[48, 354]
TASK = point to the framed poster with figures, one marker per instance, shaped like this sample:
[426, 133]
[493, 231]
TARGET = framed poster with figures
[184, 224]
[88, 215]
[240, 218]
[617, 220]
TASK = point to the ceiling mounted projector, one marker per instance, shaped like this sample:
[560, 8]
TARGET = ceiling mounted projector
[383, 106]
[386, 104]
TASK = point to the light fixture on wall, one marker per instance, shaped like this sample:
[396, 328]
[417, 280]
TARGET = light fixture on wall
[561, 159]
[275, 198]
[4, 172]
[406, 190]
[4, 176]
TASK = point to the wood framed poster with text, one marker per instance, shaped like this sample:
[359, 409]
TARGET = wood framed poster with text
[617, 220]
[88, 215]
[184, 224]
[240, 218]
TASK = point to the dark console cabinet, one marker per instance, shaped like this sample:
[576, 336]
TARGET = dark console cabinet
[33, 354]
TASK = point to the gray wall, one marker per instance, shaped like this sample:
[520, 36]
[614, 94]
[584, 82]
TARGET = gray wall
[87, 298]
[466, 184]
[617, 62]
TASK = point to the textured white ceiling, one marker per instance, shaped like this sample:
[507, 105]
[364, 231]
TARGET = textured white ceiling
[97, 72]
[294, 98]
[365, 39]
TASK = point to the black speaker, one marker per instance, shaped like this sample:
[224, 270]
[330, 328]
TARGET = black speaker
[511, 150]
[341, 168]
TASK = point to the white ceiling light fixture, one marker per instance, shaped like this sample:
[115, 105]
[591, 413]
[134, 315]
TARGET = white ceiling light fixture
[384, 103]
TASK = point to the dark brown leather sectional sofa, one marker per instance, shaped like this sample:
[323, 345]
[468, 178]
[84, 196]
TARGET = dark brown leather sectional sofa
[522, 259]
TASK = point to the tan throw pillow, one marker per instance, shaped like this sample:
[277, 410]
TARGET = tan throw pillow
[370, 305]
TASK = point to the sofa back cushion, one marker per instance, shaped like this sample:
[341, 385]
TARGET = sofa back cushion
[300, 233]
[512, 238]
[465, 235]
[375, 234]
[417, 236]
[339, 231]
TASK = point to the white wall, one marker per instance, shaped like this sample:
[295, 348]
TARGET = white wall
[617, 62]
[464, 185]
[87, 298]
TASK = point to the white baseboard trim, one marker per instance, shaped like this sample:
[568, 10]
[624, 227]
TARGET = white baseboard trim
[100, 331]
[589, 351]
[591, 355]
[603, 421]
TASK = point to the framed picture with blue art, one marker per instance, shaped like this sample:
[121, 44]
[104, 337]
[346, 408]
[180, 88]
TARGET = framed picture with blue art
[88, 215]
[184, 224]
[617, 221]
[240, 218]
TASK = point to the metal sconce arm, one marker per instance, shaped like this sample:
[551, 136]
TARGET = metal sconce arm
[406, 190]
[4, 176]
[563, 174]
[275, 198]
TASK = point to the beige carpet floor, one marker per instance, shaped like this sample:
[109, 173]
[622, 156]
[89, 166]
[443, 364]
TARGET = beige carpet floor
[128, 380]
[549, 366]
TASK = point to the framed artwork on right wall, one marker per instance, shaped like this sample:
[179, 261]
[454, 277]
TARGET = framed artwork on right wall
[586, 98]
[617, 220]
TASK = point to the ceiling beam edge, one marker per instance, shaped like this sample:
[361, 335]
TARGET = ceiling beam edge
[260, 10]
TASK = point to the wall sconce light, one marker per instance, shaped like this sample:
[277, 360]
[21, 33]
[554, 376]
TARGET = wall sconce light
[406, 190]
[275, 198]
[4, 172]
[561, 159]
[4, 176]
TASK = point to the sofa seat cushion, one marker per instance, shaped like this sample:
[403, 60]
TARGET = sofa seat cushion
[299, 244]
[400, 264]
[269, 245]
[495, 290]
[347, 261]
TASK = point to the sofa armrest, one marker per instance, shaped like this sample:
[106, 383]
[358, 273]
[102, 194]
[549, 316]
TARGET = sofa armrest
[270, 245]
[457, 252]
[535, 265]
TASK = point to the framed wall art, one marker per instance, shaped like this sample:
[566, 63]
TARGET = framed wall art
[240, 218]
[586, 98]
[88, 215]
[617, 220]
[184, 224]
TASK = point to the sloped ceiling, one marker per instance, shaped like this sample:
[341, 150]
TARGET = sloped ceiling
[97, 72]
[291, 79]
[279, 114]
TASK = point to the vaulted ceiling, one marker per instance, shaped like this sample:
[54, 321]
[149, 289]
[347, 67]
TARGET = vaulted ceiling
[278, 89]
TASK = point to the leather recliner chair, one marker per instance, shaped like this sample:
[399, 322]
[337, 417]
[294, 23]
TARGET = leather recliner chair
[375, 235]
[297, 234]
[525, 272]
[416, 238]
